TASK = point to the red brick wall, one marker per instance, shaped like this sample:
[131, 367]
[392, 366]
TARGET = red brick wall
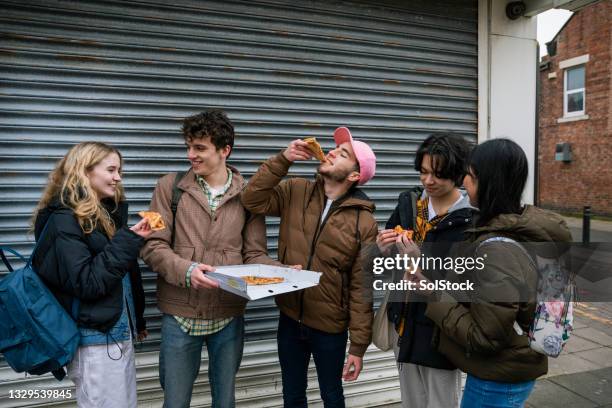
[587, 180]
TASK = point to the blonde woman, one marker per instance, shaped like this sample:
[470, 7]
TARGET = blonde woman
[88, 253]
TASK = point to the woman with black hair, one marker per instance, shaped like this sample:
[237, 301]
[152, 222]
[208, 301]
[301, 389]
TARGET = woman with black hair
[482, 337]
[439, 213]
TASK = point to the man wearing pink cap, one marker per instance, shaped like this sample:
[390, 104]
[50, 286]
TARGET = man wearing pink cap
[324, 224]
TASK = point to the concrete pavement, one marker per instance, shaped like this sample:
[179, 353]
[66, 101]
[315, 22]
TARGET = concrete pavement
[601, 231]
[582, 375]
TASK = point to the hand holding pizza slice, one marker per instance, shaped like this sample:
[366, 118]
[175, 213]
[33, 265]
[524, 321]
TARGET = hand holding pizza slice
[155, 220]
[408, 233]
[316, 149]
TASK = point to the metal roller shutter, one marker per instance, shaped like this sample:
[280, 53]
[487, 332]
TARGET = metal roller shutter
[126, 73]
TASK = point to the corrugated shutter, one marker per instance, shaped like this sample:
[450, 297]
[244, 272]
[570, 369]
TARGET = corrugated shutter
[128, 72]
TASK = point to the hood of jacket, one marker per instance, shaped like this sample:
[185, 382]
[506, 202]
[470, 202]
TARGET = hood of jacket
[533, 224]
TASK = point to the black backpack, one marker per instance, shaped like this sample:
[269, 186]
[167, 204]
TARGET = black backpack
[176, 197]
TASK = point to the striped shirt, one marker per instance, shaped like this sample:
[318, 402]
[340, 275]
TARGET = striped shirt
[195, 326]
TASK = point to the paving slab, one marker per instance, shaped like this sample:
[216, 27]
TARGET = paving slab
[580, 322]
[593, 335]
[594, 385]
[603, 327]
[570, 364]
[576, 344]
[547, 394]
[601, 356]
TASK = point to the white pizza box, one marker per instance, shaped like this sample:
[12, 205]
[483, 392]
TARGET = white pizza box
[295, 279]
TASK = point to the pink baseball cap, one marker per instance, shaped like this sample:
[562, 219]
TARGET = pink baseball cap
[364, 154]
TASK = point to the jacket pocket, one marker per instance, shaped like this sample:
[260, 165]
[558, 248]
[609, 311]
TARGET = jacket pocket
[174, 294]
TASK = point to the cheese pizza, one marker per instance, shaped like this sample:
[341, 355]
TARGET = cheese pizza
[261, 280]
[409, 233]
[155, 220]
[315, 148]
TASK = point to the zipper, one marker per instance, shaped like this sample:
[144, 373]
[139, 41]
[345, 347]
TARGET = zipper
[318, 234]
[310, 256]
[342, 278]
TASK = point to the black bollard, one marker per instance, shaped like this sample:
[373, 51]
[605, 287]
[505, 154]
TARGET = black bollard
[586, 225]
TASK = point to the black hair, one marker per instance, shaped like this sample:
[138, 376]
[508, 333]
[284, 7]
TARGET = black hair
[500, 167]
[212, 123]
[449, 155]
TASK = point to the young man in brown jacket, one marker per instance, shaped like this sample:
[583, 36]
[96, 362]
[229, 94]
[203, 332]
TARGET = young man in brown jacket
[324, 226]
[211, 227]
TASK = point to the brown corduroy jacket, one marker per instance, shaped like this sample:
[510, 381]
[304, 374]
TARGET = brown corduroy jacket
[343, 298]
[232, 236]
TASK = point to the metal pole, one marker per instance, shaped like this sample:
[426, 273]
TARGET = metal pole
[586, 225]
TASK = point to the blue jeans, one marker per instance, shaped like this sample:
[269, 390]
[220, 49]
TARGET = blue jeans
[493, 394]
[296, 343]
[179, 362]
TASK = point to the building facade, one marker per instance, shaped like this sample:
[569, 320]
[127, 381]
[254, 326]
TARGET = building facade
[575, 114]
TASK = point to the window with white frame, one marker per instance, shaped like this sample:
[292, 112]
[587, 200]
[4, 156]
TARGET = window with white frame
[574, 91]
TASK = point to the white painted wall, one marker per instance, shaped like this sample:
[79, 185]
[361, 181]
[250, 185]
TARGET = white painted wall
[507, 70]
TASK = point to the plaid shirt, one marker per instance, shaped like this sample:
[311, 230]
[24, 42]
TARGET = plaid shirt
[195, 326]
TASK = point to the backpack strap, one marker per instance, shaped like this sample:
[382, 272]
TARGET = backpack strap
[513, 242]
[176, 197]
[40, 238]
[5, 259]
[28, 261]
[517, 328]
[408, 220]
[413, 201]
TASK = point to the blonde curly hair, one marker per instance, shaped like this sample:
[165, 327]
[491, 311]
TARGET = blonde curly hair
[69, 182]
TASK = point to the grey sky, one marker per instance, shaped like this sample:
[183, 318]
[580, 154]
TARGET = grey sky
[549, 24]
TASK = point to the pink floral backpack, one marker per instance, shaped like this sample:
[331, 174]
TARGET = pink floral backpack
[554, 314]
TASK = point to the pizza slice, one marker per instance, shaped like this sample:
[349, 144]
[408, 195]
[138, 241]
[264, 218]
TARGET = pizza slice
[261, 280]
[409, 233]
[155, 220]
[315, 148]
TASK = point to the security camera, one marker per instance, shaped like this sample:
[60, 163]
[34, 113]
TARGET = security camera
[515, 9]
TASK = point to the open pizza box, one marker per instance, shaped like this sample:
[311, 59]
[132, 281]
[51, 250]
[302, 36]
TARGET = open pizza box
[294, 279]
